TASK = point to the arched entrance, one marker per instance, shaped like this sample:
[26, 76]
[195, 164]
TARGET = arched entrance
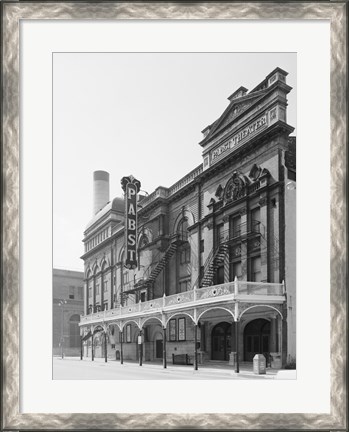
[256, 338]
[221, 341]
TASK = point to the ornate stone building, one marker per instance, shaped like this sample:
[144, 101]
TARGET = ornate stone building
[216, 264]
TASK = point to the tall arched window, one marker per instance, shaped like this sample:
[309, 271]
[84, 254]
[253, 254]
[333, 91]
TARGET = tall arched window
[183, 258]
[182, 229]
[97, 294]
[89, 293]
[74, 331]
[105, 287]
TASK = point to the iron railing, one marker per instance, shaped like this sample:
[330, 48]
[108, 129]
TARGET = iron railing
[236, 290]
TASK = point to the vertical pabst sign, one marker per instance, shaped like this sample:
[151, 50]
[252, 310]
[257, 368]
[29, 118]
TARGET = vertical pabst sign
[131, 187]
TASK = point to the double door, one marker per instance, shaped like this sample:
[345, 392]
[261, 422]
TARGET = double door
[221, 341]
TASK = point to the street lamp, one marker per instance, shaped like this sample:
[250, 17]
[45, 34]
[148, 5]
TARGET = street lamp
[61, 303]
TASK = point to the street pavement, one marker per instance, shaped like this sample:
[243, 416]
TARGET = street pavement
[72, 368]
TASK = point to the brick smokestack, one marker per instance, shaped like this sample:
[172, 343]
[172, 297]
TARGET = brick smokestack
[100, 190]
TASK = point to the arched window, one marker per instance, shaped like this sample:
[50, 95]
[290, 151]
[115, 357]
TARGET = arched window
[74, 331]
[183, 258]
[182, 229]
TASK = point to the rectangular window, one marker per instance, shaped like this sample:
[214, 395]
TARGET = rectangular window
[90, 291]
[142, 296]
[172, 330]
[184, 285]
[71, 292]
[181, 329]
[105, 305]
[220, 275]
[256, 273]
[97, 289]
[105, 285]
[219, 234]
[185, 256]
[255, 218]
[235, 226]
[235, 270]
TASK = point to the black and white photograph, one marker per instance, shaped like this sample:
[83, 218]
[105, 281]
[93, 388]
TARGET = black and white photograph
[161, 267]
[174, 216]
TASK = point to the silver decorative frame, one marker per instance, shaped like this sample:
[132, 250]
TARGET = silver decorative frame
[12, 13]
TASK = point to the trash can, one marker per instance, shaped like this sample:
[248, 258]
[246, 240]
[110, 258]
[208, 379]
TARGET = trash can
[259, 364]
[117, 355]
[276, 361]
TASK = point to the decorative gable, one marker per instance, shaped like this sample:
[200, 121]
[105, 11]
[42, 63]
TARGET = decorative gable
[236, 107]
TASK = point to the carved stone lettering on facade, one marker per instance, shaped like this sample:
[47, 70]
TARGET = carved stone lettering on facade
[244, 133]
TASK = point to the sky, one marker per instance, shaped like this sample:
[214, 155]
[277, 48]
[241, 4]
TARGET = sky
[139, 114]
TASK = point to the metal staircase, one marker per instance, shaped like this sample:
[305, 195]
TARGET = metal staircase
[148, 283]
[216, 261]
[162, 263]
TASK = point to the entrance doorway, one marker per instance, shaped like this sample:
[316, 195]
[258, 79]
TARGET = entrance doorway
[256, 339]
[159, 349]
[221, 341]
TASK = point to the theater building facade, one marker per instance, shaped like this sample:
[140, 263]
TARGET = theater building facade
[214, 270]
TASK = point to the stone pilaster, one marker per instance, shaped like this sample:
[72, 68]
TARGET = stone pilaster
[273, 335]
[244, 261]
[264, 236]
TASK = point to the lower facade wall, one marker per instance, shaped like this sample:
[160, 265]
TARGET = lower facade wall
[210, 343]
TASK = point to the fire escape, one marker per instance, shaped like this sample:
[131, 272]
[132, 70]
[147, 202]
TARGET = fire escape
[246, 232]
[147, 284]
[212, 263]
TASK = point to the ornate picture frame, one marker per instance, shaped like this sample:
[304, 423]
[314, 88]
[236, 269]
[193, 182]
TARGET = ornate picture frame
[11, 15]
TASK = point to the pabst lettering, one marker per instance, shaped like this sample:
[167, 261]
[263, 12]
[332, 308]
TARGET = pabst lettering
[131, 187]
[238, 137]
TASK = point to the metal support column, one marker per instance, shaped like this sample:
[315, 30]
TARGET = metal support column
[164, 360]
[92, 349]
[81, 346]
[196, 347]
[105, 347]
[237, 370]
[140, 344]
[121, 352]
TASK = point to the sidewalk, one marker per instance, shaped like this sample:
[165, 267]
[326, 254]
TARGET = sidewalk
[212, 367]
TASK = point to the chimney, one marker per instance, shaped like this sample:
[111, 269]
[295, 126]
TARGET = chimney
[100, 190]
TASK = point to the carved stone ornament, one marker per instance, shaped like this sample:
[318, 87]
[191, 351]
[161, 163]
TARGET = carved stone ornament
[236, 187]
[219, 192]
[263, 201]
[255, 172]
[243, 211]
[211, 203]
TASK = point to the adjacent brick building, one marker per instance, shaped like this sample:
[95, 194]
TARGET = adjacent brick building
[68, 305]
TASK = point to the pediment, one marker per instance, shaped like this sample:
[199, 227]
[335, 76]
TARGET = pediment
[234, 109]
